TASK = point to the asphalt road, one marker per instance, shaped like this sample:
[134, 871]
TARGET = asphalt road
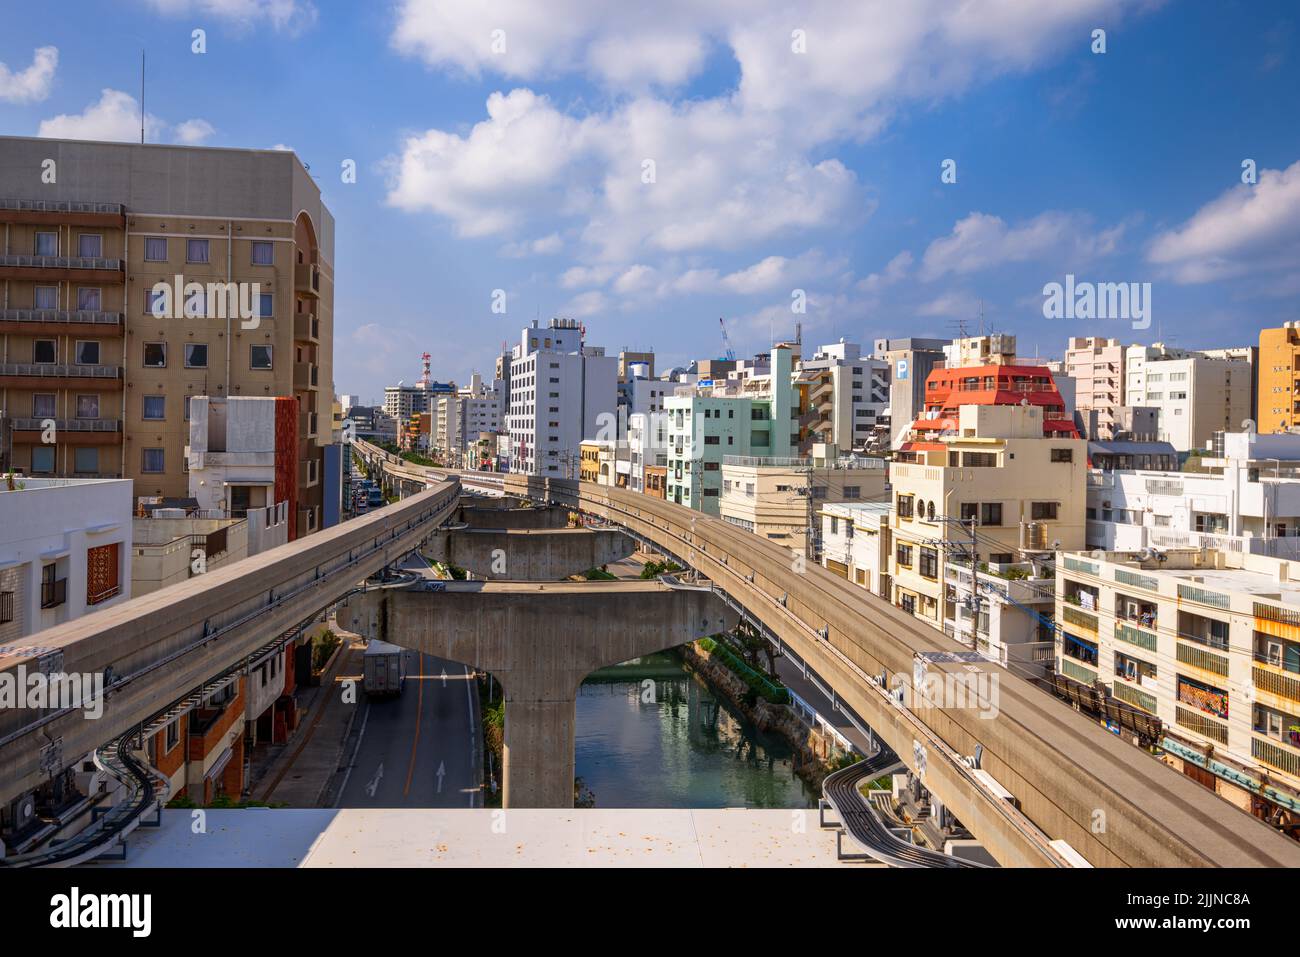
[420, 749]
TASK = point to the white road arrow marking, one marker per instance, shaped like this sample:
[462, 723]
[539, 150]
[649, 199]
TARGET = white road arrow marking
[373, 786]
[442, 770]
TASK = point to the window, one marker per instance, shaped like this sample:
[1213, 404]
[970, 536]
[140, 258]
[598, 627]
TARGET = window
[711, 440]
[1040, 511]
[155, 249]
[196, 250]
[43, 351]
[154, 304]
[853, 491]
[155, 355]
[42, 459]
[259, 357]
[986, 460]
[47, 244]
[903, 555]
[88, 407]
[970, 511]
[173, 735]
[45, 297]
[88, 299]
[155, 407]
[90, 245]
[101, 573]
[43, 405]
[86, 460]
[151, 460]
[87, 353]
[904, 506]
[196, 355]
[265, 305]
[991, 513]
[1062, 455]
[929, 562]
[263, 253]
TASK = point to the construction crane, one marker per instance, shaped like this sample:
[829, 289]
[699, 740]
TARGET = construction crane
[729, 352]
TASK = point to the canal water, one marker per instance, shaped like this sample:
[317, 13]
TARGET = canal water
[651, 734]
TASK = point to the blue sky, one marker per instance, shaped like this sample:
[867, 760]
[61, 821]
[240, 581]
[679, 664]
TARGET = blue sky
[521, 167]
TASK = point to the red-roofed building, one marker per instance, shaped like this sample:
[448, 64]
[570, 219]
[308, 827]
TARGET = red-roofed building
[948, 389]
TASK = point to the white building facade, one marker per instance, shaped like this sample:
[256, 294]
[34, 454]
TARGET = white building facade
[560, 393]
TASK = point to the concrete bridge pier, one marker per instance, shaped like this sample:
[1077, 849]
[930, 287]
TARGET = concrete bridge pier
[539, 641]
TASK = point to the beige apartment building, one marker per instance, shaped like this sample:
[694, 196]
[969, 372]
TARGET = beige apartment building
[90, 229]
[779, 498]
[1208, 641]
[1097, 367]
[1024, 492]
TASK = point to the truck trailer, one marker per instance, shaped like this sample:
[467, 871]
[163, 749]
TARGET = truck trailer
[384, 669]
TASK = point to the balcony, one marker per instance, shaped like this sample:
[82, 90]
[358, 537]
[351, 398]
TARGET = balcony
[305, 375]
[306, 280]
[60, 322]
[69, 431]
[1279, 755]
[53, 213]
[308, 473]
[38, 375]
[71, 268]
[306, 327]
[1270, 679]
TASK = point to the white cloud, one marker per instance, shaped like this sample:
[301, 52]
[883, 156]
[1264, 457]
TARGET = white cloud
[895, 270]
[585, 304]
[193, 132]
[732, 171]
[956, 305]
[116, 117]
[290, 15]
[1246, 229]
[634, 279]
[578, 276]
[981, 241]
[547, 245]
[32, 84]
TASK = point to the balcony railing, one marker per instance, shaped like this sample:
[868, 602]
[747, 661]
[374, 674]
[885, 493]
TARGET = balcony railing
[61, 206]
[104, 594]
[66, 316]
[61, 262]
[69, 425]
[60, 371]
[306, 279]
[306, 327]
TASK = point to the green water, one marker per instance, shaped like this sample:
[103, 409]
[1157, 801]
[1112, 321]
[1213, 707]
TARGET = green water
[675, 744]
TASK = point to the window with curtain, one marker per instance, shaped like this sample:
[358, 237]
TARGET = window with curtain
[47, 244]
[263, 253]
[88, 407]
[196, 250]
[46, 297]
[88, 299]
[155, 249]
[90, 245]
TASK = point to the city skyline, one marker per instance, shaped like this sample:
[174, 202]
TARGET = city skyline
[516, 162]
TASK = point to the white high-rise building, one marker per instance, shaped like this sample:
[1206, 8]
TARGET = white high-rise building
[560, 393]
[1196, 395]
[850, 395]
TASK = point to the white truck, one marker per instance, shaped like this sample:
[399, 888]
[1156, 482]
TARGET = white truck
[384, 669]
